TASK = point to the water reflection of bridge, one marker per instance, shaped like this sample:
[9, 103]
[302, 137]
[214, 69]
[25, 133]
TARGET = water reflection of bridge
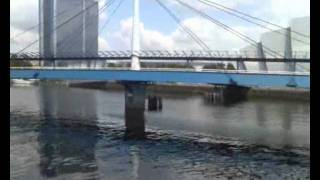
[68, 144]
[68, 135]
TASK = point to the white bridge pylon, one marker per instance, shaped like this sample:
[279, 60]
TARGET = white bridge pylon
[135, 61]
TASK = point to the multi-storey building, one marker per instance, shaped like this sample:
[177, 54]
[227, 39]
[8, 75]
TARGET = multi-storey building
[68, 28]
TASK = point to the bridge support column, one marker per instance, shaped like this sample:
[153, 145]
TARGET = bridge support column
[227, 94]
[198, 67]
[154, 103]
[134, 110]
[234, 94]
[215, 95]
[135, 63]
[241, 66]
[260, 54]
[289, 66]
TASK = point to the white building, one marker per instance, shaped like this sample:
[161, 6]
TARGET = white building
[276, 42]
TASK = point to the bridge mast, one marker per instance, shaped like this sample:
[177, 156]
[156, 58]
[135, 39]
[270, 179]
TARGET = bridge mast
[289, 66]
[260, 54]
[135, 62]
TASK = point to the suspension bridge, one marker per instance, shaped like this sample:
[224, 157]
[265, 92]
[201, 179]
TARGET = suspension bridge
[50, 64]
[65, 60]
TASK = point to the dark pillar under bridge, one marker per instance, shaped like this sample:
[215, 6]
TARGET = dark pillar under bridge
[227, 95]
[154, 103]
[134, 109]
[234, 94]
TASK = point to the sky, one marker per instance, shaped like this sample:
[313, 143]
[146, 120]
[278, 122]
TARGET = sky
[159, 31]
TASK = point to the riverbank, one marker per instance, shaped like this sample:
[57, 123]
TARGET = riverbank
[254, 93]
[285, 94]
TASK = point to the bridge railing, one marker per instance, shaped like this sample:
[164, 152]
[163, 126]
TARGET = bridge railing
[157, 54]
[167, 69]
[156, 59]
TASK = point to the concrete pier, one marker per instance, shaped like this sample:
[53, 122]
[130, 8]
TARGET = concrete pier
[227, 94]
[154, 103]
[215, 95]
[134, 110]
[234, 94]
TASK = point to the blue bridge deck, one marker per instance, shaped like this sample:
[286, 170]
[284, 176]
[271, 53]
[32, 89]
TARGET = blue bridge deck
[223, 78]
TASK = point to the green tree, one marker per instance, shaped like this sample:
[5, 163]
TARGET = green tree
[230, 67]
[20, 63]
[215, 66]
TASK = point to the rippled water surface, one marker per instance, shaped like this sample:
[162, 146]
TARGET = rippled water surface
[72, 133]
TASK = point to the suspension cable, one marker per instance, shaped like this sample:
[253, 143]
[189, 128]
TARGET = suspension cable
[109, 18]
[186, 29]
[68, 20]
[192, 35]
[80, 29]
[250, 21]
[252, 17]
[229, 29]
[35, 26]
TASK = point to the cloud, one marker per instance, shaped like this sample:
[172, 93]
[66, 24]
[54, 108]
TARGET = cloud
[282, 13]
[102, 16]
[202, 6]
[102, 44]
[149, 39]
[24, 14]
[277, 11]
[22, 41]
[215, 37]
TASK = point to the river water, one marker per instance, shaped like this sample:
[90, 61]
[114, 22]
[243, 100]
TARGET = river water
[73, 133]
